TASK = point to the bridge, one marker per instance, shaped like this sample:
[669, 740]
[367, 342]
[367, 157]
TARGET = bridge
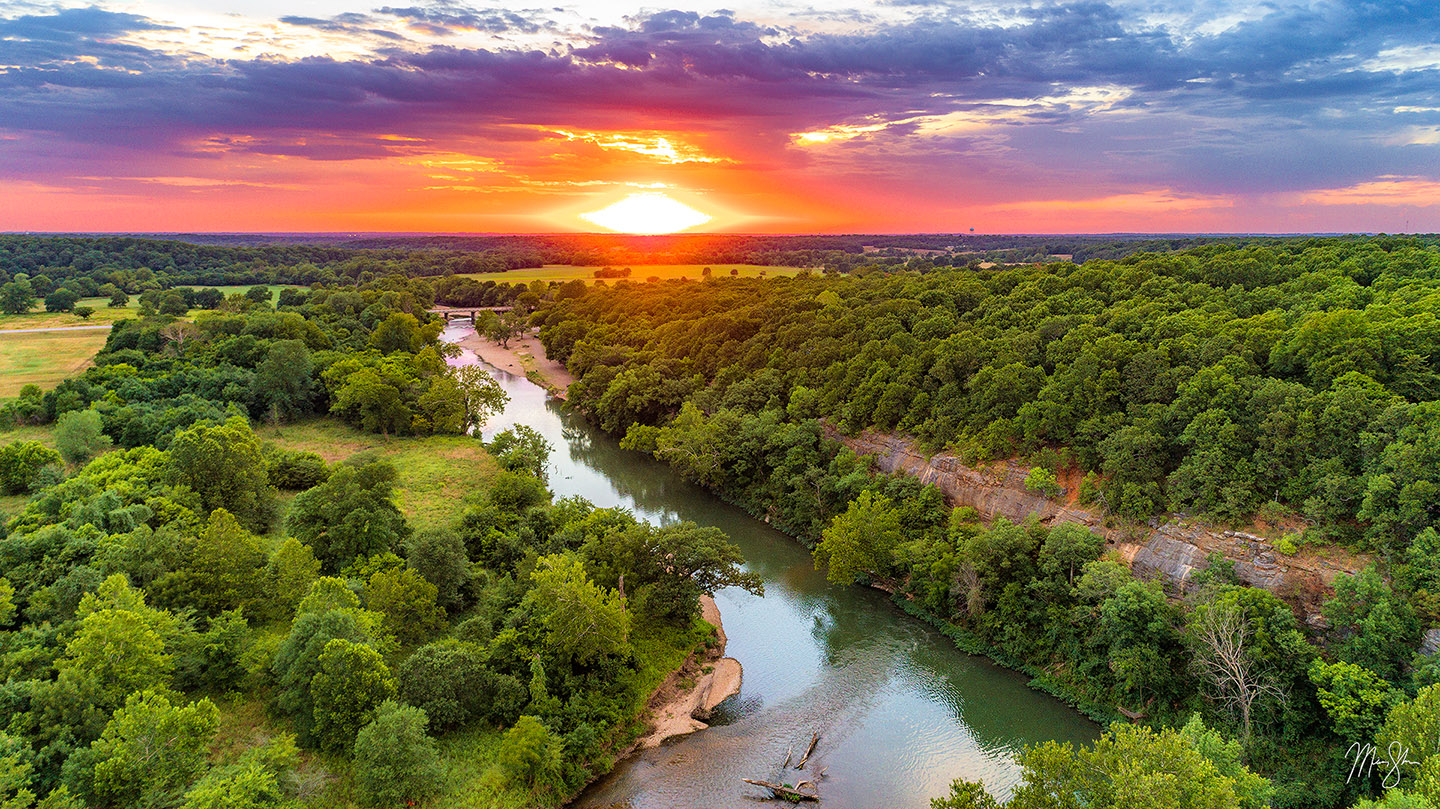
[466, 312]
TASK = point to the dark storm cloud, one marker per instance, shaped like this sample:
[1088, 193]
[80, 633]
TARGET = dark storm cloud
[1229, 98]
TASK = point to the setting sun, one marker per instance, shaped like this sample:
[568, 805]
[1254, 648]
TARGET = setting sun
[650, 212]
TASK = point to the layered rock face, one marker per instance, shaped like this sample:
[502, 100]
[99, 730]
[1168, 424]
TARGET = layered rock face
[1171, 552]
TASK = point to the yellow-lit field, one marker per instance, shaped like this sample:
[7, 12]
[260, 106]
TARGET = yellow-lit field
[103, 315]
[436, 472]
[45, 358]
[638, 272]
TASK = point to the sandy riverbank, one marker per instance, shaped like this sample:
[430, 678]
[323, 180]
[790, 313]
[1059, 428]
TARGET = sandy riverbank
[524, 356]
[677, 706]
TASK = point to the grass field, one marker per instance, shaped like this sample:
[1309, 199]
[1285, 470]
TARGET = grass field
[38, 318]
[639, 272]
[45, 358]
[48, 358]
[436, 472]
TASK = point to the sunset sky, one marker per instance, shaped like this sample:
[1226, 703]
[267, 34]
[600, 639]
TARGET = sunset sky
[818, 116]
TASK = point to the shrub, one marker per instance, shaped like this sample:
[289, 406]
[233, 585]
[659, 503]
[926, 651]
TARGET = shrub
[295, 471]
[1042, 480]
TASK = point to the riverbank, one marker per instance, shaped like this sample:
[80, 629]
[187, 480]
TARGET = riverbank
[690, 693]
[524, 356]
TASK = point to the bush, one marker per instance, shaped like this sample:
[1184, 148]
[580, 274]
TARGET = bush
[295, 471]
[396, 763]
[1042, 480]
[1287, 545]
[529, 756]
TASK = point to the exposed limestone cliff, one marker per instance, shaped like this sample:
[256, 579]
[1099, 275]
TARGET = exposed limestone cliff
[1170, 551]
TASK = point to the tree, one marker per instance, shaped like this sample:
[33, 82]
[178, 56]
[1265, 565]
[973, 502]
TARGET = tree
[173, 303]
[17, 297]
[396, 762]
[1355, 698]
[521, 448]
[21, 465]
[223, 465]
[122, 651]
[438, 555]
[260, 779]
[529, 755]
[665, 570]
[1129, 766]
[373, 402]
[297, 661]
[225, 568]
[1220, 635]
[349, 515]
[351, 681]
[862, 540]
[398, 332]
[583, 621]
[452, 684]
[289, 574]
[407, 601]
[84, 312]
[118, 300]
[482, 395]
[1412, 728]
[79, 435]
[1042, 480]
[149, 753]
[1067, 549]
[503, 327]
[61, 300]
[284, 380]
[1375, 628]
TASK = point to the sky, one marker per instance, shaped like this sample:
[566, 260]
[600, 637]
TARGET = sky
[822, 116]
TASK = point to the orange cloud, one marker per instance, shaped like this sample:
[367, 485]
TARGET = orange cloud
[1387, 190]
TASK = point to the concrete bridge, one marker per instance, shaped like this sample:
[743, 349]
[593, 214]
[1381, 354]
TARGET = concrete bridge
[466, 312]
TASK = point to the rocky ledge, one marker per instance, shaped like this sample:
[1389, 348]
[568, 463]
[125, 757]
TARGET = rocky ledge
[1169, 551]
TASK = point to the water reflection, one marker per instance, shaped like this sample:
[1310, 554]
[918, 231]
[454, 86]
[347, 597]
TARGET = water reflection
[900, 710]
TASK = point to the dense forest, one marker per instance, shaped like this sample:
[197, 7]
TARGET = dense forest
[171, 577]
[170, 574]
[1295, 380]
[137, 264]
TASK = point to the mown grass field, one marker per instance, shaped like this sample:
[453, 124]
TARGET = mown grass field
[639, 272]
[38, 318]
[45, 358]
[436, 472]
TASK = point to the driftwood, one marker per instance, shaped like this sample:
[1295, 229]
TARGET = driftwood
[783, 791]
[811, 749]
[1130, 714]
[803, 791]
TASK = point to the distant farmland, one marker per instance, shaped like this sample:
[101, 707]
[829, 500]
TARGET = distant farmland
[638, 272]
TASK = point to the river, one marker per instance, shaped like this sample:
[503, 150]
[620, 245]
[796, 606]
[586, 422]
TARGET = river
[901, 712]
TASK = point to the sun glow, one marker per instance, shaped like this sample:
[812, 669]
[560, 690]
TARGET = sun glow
[650, 212]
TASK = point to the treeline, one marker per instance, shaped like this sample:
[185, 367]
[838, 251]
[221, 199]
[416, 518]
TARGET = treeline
[1219, 381]
[136, 265]
[153, 591]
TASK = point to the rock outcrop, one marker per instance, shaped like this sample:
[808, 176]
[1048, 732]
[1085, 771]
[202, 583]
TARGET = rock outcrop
[1170, 551]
